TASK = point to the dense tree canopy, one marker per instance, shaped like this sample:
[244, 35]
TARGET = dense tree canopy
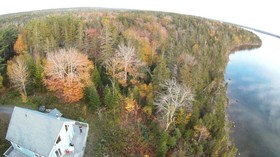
[129, 74]
[8, 37]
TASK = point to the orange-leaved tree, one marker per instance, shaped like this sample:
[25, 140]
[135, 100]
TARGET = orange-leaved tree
[67, 72]
[17, 71]
[19, 46]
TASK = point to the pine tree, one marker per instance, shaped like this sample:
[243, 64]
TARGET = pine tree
[94, 98]
[80, 35]
[8, 37]
[177, 133]
[160, 74]
[36, 71]
[96, 78]
[106, 44]
[135, 92]
[38, 74]
[108, 96]
[162, 148]
[111, 97]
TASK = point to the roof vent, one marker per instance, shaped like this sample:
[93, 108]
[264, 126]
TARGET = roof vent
[42, 108]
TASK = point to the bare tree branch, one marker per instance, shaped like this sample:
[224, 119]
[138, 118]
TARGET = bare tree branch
[67, 72]
[124, 64]
[17, 71]
[173, 97]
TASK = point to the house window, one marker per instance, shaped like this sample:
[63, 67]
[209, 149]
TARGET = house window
[66, 128]
[58, 140]
[58, 152]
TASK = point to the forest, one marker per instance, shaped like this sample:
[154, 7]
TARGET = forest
[148, 83]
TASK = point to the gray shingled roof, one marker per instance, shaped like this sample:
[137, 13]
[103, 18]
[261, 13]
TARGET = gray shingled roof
[34, 130]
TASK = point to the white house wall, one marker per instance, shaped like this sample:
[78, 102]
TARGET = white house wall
[65, 140]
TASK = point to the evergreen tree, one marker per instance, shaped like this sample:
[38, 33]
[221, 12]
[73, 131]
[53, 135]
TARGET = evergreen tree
[135, 92]
[177, 133]
[106, 44]
[38, 74]
[110, 98]
[162, 148]
[160, 74]
[36, 71]
[80, 35]
[171, 142]
[94, 98]
[96, 78]
[8, 37]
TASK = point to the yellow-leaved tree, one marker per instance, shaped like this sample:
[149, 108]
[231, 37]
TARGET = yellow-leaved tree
[67, 72]
[17, 71]
[130, 104]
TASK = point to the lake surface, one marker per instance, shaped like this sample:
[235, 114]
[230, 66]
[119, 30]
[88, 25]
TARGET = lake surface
[254, 92]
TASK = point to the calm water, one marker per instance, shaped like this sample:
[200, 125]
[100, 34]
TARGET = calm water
[254, 91]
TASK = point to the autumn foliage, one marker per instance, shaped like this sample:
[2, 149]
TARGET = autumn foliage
[124, 65]
[67, 72]
[130, 104]
[17, 71]
[19, 46]
[157, 85]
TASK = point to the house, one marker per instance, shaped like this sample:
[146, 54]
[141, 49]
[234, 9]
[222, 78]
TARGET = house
[37, 134]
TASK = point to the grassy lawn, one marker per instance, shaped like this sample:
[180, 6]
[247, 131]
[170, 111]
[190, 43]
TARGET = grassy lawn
[4, 144]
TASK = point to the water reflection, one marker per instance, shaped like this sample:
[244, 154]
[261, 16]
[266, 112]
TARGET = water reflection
[254, 90]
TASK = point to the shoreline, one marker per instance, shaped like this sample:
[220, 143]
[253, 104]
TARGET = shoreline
[229, 123]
